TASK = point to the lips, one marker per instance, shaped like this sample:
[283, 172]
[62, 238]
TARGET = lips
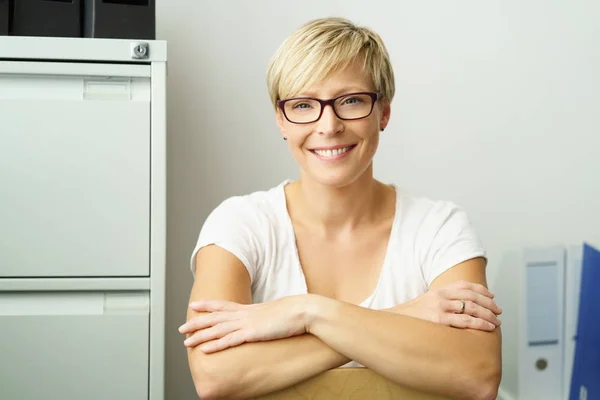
[333, 153]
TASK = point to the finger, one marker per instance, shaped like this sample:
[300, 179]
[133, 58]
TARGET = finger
[465, 321]
[477, 298]
[208, 305]
[233, 339]
[475, 310]
[458, 306]
[216, 332]
[476, 287]
[205, 321]
[208, 346]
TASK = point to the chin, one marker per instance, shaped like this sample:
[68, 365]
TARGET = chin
[336, 174]
[333, 180]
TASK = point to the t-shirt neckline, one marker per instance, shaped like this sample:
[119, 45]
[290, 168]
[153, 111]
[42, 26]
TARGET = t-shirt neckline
[298, 265]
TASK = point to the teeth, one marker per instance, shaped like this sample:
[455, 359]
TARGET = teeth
[332, 153]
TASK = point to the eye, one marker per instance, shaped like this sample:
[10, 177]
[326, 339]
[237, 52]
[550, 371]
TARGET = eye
[352, 100]
[302, 105]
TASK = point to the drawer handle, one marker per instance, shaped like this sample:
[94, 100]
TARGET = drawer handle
[74, 303]
[110, 88]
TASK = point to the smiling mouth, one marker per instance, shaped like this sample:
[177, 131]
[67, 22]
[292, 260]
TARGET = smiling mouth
[333, 153]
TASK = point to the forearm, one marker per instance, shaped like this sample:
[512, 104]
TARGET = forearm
[255, 369]
[415, 353]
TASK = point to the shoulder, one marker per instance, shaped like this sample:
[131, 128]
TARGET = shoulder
[254, 208]
[440, 233]
[425, 213]
[244, 226]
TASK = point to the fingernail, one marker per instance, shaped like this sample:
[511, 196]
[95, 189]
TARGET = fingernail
[186, 342]
[492, 326]
[181, 328]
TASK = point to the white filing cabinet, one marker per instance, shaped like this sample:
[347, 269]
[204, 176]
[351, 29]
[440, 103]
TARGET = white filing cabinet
[82, 218]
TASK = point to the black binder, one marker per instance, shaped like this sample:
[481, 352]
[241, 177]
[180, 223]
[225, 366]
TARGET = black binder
[4, 15]
[59, 18]
[120, 19]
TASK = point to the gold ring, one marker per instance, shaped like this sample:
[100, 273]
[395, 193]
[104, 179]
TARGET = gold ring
[462, 308]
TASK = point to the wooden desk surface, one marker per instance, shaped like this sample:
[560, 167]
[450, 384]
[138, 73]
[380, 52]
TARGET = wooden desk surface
[348, 384]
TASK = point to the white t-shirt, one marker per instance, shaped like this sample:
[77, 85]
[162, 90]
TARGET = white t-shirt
[427, 238]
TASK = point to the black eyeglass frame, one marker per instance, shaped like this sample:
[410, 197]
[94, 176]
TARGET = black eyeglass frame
[331, 102]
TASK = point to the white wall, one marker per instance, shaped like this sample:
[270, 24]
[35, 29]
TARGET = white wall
[497, 108]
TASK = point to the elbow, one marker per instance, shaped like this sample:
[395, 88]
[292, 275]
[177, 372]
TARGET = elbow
[480, 389]
[489, 390]
[488, 383]
[480, 379]
[485, 369]
[207, 389]
[209, 384]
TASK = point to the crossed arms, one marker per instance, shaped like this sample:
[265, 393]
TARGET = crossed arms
[290, 340]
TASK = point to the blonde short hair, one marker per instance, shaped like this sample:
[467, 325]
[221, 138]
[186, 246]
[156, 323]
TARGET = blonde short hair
[319, 48]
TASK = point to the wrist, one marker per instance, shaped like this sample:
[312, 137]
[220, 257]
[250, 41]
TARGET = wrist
[302, 308]
[308, 309]
[317, 308]
[401, 309]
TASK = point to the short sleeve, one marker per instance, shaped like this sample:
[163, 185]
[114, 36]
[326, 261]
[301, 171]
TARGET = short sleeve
[453, 240]
[233, 226]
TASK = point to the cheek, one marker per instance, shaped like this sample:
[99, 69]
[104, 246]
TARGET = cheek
[296, 145]
[368, 131]
[370, 142]
[297, 136]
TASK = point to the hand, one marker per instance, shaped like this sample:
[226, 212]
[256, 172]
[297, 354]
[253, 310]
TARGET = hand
[230, 324]
[444, 305]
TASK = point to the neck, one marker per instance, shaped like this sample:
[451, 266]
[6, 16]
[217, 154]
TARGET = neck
[331, 209]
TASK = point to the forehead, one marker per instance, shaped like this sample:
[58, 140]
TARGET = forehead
[351, 78]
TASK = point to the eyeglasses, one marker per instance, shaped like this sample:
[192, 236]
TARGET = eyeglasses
[305, 110]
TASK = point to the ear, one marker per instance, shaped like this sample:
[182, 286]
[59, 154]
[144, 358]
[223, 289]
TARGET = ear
[386, 111]
[280, 121]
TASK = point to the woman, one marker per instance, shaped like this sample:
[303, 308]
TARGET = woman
[336, 258]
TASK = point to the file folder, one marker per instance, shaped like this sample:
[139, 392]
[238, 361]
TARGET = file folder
[541, 338]
[46, 18]
[4, 16]
[572, 294]
[585, 381]
[120, 19]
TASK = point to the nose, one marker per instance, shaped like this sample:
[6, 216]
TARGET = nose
[329, 123]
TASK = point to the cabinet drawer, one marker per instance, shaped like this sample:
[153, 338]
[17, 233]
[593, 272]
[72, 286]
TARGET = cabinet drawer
[74, 175]
[73, 346]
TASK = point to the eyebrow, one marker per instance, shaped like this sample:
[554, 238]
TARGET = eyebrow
[352, 89]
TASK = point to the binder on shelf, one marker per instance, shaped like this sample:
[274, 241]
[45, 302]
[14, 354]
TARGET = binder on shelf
[572, 295]
[541, 337]
[4, 16]
[46, 18]
[119, 19]
[586, 367]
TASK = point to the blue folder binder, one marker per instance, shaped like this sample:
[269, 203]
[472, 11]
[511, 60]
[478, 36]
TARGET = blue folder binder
[585, 381]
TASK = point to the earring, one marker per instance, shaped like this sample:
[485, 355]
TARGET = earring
[284, 138]
[382, 129]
